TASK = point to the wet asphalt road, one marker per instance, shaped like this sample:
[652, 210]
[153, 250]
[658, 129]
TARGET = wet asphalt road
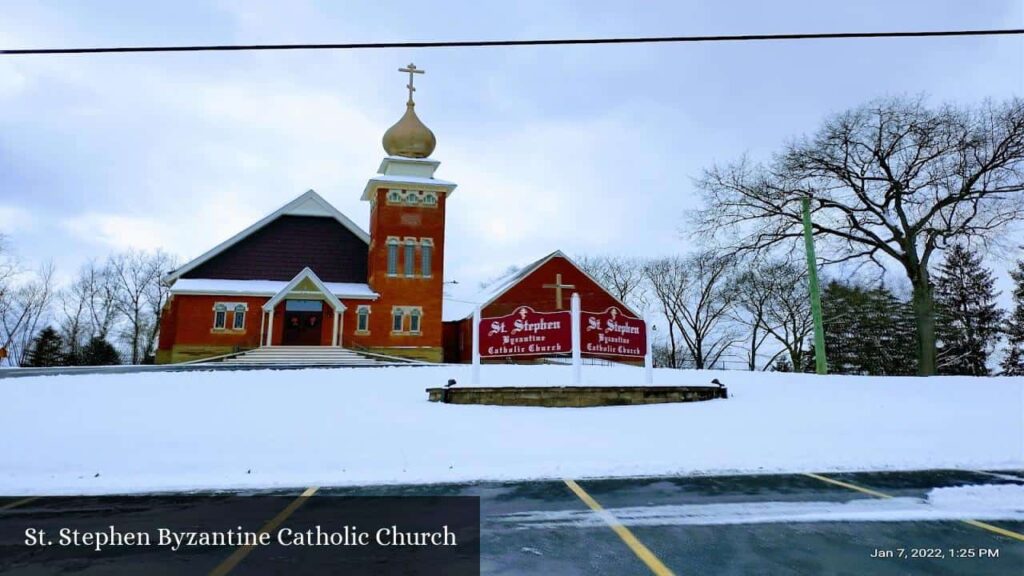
[688, 524]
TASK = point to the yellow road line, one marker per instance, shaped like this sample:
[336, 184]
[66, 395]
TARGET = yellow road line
[850, 486]
[228, 564]
[635, 545]
[975, 523]
[18, 503]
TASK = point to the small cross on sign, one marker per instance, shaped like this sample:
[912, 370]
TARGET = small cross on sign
[411, 69]
[558, 290]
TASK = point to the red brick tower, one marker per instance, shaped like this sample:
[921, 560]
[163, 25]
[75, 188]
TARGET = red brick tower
[406, 258]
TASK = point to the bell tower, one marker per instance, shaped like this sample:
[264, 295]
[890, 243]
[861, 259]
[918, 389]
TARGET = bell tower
[406, 254]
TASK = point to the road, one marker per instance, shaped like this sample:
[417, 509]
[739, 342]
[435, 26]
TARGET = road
[771, 524]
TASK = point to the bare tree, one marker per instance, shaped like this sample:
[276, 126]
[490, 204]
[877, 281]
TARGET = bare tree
[892, 179]
[787, 311]
[24, 306]
[622, 276]
[753, 291]
[139, 298]
[695, 297]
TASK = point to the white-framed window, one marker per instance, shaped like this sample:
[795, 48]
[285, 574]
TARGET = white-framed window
[238, 323]
[430, 199]
[220, 316]
[394, 196]
[363, 319]
[410, 257]
[399, 324]
[392, 256]
[426, 257]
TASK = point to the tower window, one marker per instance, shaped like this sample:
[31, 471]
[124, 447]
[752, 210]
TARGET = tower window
[392, 256]
[430, 199]
[414, 321]
[426, 257]
[410, 257]
[363, 319]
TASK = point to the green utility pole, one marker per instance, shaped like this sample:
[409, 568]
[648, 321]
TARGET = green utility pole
[812, 274]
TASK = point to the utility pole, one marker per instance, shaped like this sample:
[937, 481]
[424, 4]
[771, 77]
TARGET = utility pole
[821, 363]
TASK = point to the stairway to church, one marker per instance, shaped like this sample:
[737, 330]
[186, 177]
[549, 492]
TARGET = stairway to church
[308, 356]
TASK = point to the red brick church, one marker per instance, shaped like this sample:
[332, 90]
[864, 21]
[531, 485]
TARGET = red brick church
[306, 275]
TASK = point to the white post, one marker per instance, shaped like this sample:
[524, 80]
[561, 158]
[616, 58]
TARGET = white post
[263, 324]
[649, 355]
[334, 335]
[475, 380]
[577, 360]
[270, 329]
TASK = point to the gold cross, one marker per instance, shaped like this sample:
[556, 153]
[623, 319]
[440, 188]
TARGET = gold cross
[558, 290]
[411, 69]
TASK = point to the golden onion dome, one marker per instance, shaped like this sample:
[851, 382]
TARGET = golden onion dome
[409, 137]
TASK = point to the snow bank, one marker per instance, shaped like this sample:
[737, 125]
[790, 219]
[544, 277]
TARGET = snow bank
[260, 429]
[984, 502]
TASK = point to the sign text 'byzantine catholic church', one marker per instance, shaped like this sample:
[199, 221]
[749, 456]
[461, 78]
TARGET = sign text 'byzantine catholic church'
[307, 275]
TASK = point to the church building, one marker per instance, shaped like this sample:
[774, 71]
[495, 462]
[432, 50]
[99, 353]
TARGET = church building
[307, 275]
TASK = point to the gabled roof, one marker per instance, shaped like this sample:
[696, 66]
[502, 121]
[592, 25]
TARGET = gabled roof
[455, 309]
[308, 204]
[306, 274]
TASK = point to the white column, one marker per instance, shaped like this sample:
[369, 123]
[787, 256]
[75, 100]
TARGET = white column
[649, 354]
[577, 359]
[334, 335]
[475, 379]
[270, 328]
[263, 323]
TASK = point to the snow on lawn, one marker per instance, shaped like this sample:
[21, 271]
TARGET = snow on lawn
[210, 430]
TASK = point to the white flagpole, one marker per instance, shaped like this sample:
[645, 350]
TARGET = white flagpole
[577, 362]
[476, 347]
[649, 355]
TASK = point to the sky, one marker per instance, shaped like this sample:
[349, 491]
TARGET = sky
[587, 149]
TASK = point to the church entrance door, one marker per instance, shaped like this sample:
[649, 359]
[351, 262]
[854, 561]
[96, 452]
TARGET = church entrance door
[303, 322]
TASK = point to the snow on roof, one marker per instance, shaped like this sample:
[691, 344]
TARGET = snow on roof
[264, 288]
[456, 307]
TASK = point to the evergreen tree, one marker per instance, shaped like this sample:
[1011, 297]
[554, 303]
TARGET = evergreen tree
[98, 352]
[46, 349]
[968, 322]
[1013, 363]
[867, 331]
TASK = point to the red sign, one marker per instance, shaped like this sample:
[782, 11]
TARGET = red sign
[613, 333]
[526, 333]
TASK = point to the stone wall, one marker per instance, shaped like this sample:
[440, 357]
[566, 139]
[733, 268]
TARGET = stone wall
[576, 396]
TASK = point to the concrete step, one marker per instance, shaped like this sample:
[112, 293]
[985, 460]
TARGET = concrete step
[304, 355]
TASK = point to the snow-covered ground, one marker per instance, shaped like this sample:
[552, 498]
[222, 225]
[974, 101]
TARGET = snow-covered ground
[210, 430]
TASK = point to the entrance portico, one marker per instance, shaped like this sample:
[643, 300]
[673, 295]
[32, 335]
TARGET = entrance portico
[303, 313]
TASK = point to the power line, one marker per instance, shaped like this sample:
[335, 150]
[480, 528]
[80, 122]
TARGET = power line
[493, 43]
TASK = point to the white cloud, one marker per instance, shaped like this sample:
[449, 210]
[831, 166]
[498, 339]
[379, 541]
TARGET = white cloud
[120, 232]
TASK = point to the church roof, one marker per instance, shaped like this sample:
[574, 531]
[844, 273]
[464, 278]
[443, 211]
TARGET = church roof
[307, 204]
[460, 306]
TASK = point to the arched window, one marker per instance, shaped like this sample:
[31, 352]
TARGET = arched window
[392, 256]
[396, 319]
[430, 199]
[394, 196]
[410, 257]
[363, 319]
[411, 198]
[239, 321]
[426, 257]
[220, 316]
[414, 321]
